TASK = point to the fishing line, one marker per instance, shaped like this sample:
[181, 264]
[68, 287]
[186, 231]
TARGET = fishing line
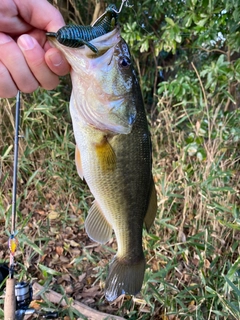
[120, 9]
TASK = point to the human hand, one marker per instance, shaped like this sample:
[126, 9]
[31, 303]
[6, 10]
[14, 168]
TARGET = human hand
[26, 58]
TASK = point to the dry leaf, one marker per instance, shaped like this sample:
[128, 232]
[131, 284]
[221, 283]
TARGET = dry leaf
[59, 250]
[192, 306]
[52, 215]
[206, 263]
[41, 212]
[81, 277]
[74, 244]
[35, 304]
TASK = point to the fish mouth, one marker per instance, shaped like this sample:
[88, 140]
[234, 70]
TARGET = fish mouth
[113, 110]
[104, 42]
[98, 103]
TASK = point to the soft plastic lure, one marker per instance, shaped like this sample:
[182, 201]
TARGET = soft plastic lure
[76, 36]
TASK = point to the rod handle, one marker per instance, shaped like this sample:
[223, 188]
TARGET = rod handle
[10, 300]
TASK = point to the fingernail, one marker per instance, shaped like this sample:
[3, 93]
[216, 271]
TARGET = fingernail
[4, 38]
[26, 42]
[56, 59]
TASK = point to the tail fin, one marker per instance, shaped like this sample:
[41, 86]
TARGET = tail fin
[124, 278]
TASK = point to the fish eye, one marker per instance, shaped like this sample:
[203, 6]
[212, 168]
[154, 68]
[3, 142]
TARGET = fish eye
[124, 62]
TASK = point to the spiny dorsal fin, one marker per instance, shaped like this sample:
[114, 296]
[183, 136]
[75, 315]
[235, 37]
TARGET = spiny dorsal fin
[96, 225]
[152, 207]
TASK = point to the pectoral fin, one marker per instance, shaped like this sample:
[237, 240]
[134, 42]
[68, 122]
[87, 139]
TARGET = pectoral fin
[152, 207]
[96, 225]
[106, 155]
[78, 162]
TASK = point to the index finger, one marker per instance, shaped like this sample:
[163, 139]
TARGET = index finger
[40, 14]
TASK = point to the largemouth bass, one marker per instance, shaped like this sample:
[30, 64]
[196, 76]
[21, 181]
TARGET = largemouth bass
[113, 154]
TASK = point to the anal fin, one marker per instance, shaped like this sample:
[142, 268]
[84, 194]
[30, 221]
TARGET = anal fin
[96, 225]
[152, 207]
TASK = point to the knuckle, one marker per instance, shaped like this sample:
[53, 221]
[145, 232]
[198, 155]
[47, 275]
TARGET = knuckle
[8, 92]
[8, 88]
[28, 87]
[50, 84]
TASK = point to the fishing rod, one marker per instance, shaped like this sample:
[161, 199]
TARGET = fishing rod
[10, 298]
[18, 295]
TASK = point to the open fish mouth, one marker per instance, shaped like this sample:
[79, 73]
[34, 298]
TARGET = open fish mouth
[101, 95]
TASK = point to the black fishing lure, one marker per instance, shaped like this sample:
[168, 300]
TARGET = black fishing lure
[76, 36]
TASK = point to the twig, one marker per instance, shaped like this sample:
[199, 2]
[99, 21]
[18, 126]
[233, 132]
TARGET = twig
[205, 99]
[57, 298]
[201, 84]
[212, 50]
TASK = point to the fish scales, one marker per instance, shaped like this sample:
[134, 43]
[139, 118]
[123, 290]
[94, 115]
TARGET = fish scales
[113, 154]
